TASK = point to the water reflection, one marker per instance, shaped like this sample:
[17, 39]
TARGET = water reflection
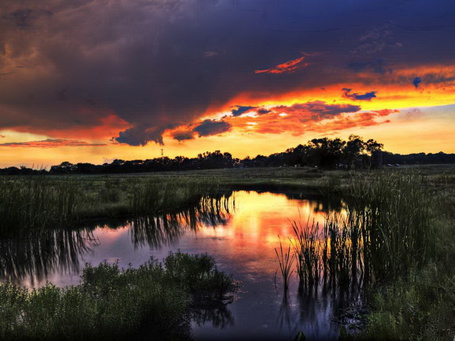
[166, 229]
[239, 229]
[36, 256]
[219, 317]
[30, 260]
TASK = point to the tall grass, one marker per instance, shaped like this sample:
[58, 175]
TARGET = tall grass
[36, 202]
[394, 240]
[396, 217]
[307, 252]
[286, 262]
[386, 231]
[114, 303]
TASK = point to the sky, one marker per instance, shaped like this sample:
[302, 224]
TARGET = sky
[98, 80]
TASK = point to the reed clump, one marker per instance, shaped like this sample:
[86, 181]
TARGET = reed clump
[393, 239]
[307, 252]
[397, 222]
[386, 230]
[36, 202]
[286, 260]
[114, 303]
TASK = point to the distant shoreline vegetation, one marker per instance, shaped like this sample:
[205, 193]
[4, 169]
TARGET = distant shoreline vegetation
[325, 153]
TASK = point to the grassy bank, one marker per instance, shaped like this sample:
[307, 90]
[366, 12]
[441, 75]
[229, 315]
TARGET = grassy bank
[35, 202]
[394, 239]
[113, 303]
[419, 304]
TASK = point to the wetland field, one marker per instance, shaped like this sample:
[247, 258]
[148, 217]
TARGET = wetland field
[233, 254]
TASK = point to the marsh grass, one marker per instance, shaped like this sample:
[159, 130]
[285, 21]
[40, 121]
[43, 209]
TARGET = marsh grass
[114, 303]
[393, 240]
[386, 231]
[286, 260]
[42, 202]
[36, 202]
[307, 252]
[155, 196]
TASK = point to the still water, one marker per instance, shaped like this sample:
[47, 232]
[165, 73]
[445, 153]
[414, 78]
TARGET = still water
[241, 234]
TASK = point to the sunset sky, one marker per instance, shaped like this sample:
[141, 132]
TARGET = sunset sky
[97, 80]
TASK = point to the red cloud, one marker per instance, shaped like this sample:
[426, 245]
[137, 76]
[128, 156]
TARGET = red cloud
[286, 67]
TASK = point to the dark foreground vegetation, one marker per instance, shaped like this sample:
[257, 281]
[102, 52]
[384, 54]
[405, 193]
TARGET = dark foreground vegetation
[154, 301]
[395, 242]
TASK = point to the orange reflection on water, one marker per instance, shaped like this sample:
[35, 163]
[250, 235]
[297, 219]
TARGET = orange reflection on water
[259, 223]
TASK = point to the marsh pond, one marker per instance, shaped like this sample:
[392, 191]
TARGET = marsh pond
[243, 231]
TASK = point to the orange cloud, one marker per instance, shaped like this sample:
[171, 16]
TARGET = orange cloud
[51, 143]
[287, 67]
[298, 118]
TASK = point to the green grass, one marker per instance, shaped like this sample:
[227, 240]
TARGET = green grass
[35, 202]
[113, 303]
[286, 261]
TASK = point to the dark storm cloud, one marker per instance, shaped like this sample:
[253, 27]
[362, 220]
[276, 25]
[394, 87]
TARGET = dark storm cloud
[368, 96]
[416, 81]
[138, 136]
[183, 135]
[161, 64]
[241, 110]
[211, 127]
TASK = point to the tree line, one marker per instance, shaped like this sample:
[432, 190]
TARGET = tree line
[324, 153]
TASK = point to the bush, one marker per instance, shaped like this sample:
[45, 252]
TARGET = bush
[113, 303]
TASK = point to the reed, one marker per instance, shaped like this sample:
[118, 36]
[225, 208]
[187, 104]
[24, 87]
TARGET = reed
[36, 202]
[307, 252]
[386, 230]
[286, 261]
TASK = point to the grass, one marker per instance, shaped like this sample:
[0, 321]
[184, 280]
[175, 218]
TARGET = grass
[420, 304]
[387, 230]
[36, 202]
[40, 202]
[307, 252]
[286, 262]
[113, 303]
